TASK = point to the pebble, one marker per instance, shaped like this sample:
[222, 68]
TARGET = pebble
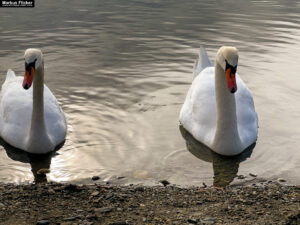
[139, 188]
[119, 223]
[43, 222]
[193, 221]
[253, 175]
[208, 220]
[103, 210]
[71, 187]
[2, 205]
[164, 182]
[43, 171]
[85, 222]
[241, 177]
[95, 193]
[69, 219]
[281, 180]
[95, 178]
[51, 191]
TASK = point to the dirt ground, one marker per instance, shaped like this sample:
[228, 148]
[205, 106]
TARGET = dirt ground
[53, 203]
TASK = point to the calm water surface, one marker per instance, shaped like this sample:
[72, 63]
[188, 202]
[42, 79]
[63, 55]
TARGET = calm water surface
[121, 70]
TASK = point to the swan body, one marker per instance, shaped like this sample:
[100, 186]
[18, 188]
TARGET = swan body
[31, 118]
[219, 109]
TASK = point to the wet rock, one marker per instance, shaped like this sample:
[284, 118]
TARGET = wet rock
[43, 222]
[253, 175]
[164, 182]
[95, 178]
[281, 180]
[241, 177]
[43, 171]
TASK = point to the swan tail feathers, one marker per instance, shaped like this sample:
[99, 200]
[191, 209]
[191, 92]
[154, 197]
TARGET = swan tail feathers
[10, 74]
[202, 62]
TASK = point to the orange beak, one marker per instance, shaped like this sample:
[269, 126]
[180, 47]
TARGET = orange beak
[28, 77]
[231, 83]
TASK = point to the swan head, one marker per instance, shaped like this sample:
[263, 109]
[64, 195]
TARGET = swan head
[33, 60]
[227, 58]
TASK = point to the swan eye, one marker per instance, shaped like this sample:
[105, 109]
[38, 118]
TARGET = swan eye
[233, 68]
[29, 65]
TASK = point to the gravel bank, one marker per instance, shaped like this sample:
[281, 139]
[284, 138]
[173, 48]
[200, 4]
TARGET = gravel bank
[52, 203]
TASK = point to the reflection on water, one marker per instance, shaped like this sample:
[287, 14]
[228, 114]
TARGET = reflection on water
[121, 71]
[225, 168]
[40, 163]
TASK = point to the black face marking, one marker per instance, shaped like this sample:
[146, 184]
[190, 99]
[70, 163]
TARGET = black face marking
[29, 65]
[233, 68]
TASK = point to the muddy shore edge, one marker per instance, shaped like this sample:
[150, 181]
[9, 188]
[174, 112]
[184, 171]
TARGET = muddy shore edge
[66, 204]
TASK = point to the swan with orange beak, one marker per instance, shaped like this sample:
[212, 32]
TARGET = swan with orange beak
[219, 109]
[30, 116]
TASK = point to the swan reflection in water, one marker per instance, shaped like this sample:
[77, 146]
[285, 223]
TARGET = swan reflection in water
[40, 163]
[225, 167]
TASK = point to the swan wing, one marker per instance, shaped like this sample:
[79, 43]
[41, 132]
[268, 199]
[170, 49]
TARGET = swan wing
[198, 113]
[54, 118]
[202, 62]
[15, 111]
[246, 115]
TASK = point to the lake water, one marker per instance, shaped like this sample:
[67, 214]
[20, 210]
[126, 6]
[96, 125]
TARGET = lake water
[121, 70]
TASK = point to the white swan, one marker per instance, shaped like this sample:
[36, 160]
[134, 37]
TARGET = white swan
[219, 110]
[32, 119]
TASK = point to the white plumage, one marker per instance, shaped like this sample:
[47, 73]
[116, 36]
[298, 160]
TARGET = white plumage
[16, 108]
[232, 127]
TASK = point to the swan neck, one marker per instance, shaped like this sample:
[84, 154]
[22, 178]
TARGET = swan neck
[38, 99]
[226, 128]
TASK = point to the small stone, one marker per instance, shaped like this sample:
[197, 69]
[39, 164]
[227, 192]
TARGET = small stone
[144, 219]
[43, 171]
[95, 193]
[119, 223]
[253, 175]
[164, 182]
[51, 191]
[103, 210]
[69, 219]
[85, 222]
[241, 177]
[281, 180]
[193, 221]
[208, 220]
[95, 178]
[43, 222]
[71, 187]
[2, 205]
[139, 188]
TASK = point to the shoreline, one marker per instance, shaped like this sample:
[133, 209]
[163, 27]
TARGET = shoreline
[66, 204]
